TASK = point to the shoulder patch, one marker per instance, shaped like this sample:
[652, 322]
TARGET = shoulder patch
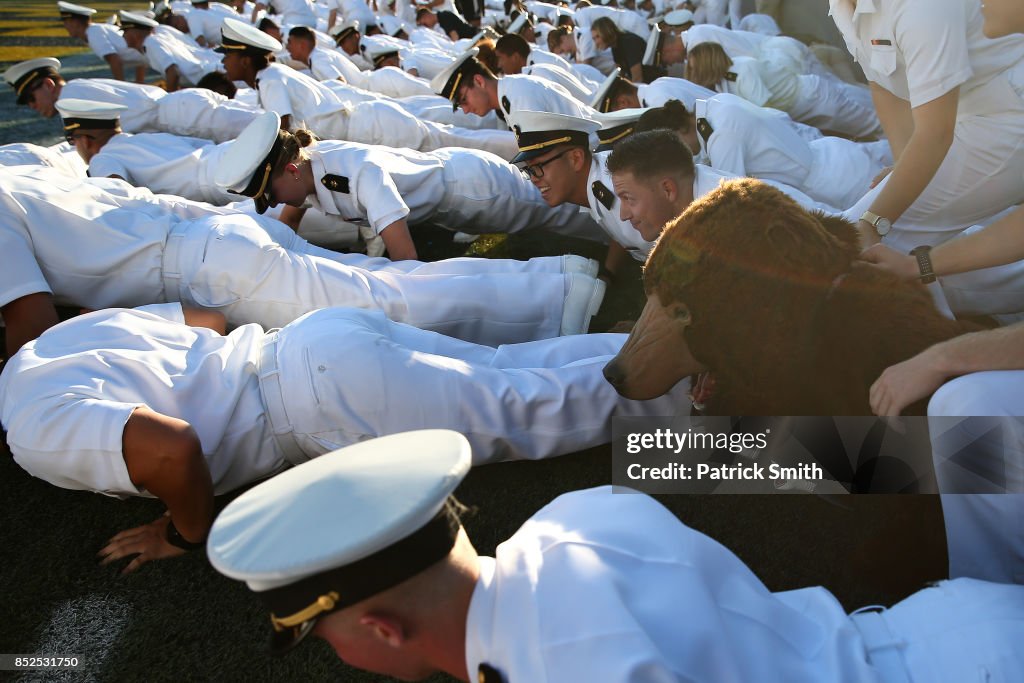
[603, 194]
[506, 105]
[705, 129]
[335, 183]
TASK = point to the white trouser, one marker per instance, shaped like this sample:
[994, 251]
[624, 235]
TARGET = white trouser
[394, 82]
[439, 110]
[953, 632]
[198, 113]
[842, 170]
[834, 105]
[979, 463]
[232, 264]
[378, 122]
[980, 176]
[485, 194]
[349, 375]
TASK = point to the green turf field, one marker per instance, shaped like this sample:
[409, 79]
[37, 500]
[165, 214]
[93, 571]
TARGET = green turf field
[180, 621]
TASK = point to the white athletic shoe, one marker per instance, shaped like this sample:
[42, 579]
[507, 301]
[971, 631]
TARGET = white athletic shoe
[581, 303]
[579, 264]
[464, 238]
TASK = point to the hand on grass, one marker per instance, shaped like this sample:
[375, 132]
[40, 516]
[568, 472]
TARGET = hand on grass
[146, 542]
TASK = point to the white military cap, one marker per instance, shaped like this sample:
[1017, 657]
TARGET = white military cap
[539, 131]
[136, 20]
[518, 24]
[343, 527]
[23, 75]
[390, 24]
[602, 99]
[341, 31]
[161, 8]
[246, 166]
[446, 83]
[78, 114]
[68, 9]
[652, 55]
[678, 17]
[377, 48]
[616, 126]
[238, 36]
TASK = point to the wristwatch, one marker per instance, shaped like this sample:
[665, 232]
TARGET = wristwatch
[881, 225]
[175, 538]
[924, 263]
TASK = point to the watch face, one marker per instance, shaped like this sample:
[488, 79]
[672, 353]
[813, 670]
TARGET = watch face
[883, 226]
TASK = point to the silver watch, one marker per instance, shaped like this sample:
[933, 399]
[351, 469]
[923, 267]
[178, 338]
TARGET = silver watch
[881, 225]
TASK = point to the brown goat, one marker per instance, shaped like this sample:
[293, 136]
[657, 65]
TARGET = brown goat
[774, 303]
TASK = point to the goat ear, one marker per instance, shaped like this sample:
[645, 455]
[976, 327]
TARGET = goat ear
[681, 313]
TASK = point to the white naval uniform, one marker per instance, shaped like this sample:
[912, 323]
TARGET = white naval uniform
[602, 586]
[748, 141]
[106, 39]
[194, 112]
[294, 12]
[459, 189]
[328, 65]
[98, 243]
[923, 50]
[206, 23]
[976, 423]
[627, 20]
[62, 157]
[377, 122]
[735, 43]
[590, 77]
[163, 51]
[257, 401]
[353, 10]
[165, 164]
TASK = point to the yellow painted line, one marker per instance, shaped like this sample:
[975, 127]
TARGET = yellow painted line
[21, 53]
[57, 32]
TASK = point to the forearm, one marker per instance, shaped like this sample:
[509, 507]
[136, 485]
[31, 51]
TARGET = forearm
[995, 245]
[116, 66]
[164, 456]
[398, 241]
[613, 260]
[331, 17]
[140, 73]
[26, 318]
[999, 349]
[910, 176]
[636, 73]
[171, 78]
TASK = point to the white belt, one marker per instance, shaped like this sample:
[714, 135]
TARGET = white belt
[274, 402]
[171, 267]
[883, 649]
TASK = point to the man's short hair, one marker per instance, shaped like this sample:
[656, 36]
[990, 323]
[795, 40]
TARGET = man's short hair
[652, 153]
[422, 12]
[302, 33]
[513, 44]
[267, 22]
[218, 82]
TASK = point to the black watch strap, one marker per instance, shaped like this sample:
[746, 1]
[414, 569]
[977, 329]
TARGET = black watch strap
[924, 263]
[175, 538]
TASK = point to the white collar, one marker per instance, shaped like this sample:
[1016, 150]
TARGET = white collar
[480, 617]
